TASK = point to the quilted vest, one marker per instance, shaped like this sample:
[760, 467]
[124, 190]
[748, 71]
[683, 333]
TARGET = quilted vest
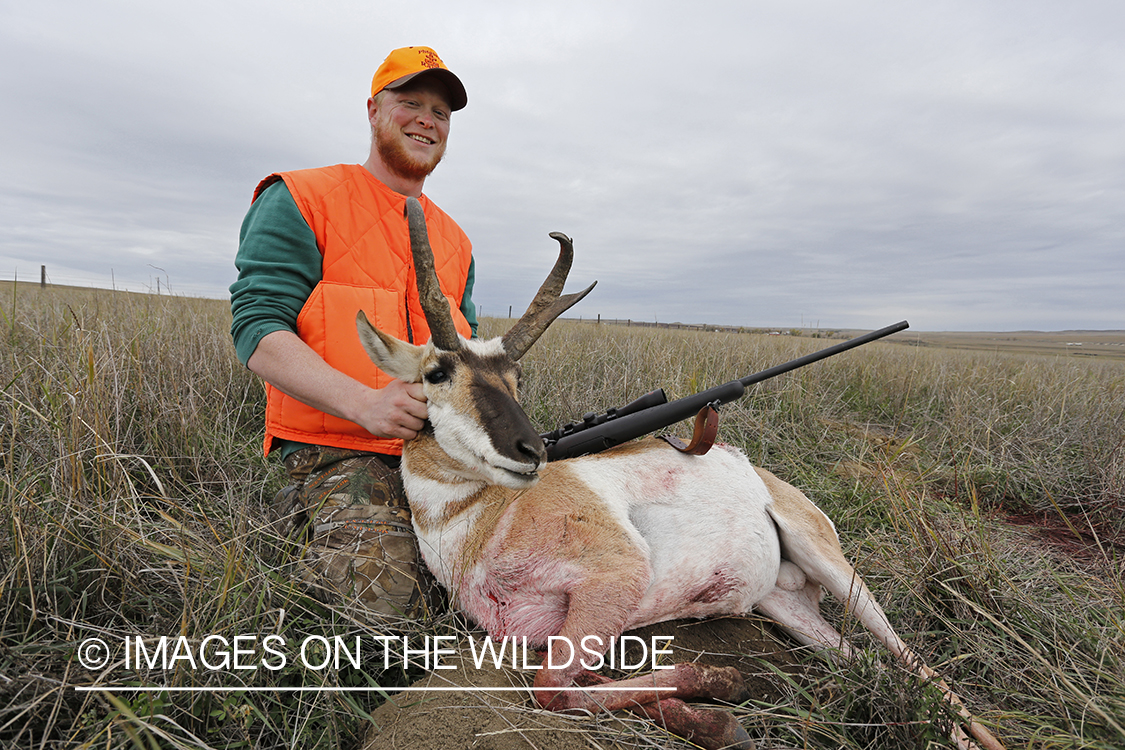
[362, 234]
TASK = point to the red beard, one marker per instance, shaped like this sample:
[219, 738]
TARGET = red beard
[399, 161]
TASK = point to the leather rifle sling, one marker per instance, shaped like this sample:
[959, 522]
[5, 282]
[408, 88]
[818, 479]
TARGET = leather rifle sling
[702, 438]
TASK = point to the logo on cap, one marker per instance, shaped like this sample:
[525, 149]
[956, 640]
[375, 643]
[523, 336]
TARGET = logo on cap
[430, 59]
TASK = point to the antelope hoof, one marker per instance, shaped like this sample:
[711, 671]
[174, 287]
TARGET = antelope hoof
[728, 686]
[716, 729]
[709, 728]
[741, 740]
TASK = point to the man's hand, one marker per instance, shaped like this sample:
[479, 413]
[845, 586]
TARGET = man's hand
[288, 364]
[396, 411]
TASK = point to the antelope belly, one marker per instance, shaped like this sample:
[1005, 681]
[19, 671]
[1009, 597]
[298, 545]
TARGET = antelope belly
[713, 548]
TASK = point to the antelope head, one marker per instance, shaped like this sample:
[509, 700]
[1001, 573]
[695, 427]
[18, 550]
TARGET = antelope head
[472, 386]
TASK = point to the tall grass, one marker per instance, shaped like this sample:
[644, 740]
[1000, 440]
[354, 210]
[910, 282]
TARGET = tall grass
[136, 503]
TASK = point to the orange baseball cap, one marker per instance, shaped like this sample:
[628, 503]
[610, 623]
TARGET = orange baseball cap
[406, 63]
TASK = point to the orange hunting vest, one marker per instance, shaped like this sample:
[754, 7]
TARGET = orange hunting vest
[362, 234]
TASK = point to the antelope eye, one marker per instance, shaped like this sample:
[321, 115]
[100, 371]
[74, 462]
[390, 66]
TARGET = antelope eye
[436, 376]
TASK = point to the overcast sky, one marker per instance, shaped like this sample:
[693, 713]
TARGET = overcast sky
[777, 163]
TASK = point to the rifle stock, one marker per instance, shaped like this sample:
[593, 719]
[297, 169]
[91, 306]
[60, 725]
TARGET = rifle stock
[651, 412]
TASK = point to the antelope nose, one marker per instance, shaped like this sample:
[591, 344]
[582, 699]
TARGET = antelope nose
[532, 449]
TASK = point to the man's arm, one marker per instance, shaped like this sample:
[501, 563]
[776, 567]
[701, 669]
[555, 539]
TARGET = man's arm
[288, 364]
[279, 265]
[468, 309]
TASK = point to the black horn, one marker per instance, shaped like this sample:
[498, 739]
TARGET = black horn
[547, 305]
[442, 331]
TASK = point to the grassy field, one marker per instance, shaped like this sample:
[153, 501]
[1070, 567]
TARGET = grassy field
[1073, 344]
[980, 493]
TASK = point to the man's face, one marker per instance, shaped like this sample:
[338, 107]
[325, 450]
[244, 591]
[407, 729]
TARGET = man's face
[410, 126]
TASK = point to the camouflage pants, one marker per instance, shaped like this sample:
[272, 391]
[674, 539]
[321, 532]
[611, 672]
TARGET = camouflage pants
[347, 512]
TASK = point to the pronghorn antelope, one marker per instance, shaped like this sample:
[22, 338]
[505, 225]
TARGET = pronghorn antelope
[597, 545]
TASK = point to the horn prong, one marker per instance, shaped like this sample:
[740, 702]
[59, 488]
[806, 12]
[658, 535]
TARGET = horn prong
[549, 303]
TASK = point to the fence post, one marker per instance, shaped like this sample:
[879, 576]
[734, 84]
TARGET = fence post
[42, 277]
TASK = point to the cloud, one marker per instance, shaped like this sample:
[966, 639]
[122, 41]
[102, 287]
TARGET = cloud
[739, 163]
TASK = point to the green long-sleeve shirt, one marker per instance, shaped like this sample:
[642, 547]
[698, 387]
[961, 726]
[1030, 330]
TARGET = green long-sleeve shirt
[279, 265]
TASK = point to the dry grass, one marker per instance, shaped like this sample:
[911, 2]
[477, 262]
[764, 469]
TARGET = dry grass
[136, 504]
[1074, 344]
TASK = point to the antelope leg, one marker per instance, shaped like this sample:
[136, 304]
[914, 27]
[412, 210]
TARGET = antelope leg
[708, 728]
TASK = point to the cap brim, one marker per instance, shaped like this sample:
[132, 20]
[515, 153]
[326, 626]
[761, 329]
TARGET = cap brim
[458, 97]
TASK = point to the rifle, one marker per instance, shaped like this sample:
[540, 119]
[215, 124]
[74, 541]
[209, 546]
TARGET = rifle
[652, 411]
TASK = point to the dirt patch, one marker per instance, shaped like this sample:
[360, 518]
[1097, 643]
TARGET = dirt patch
[457, 719]
[740, 642]
[493, 719]
[1074, 537]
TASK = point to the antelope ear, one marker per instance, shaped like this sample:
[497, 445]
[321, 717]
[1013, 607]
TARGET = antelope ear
[396, 358]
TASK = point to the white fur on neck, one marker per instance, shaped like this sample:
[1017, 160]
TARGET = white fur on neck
[441, 540]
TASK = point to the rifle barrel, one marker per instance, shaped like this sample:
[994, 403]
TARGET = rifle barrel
[808, 359]
[603, 433]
